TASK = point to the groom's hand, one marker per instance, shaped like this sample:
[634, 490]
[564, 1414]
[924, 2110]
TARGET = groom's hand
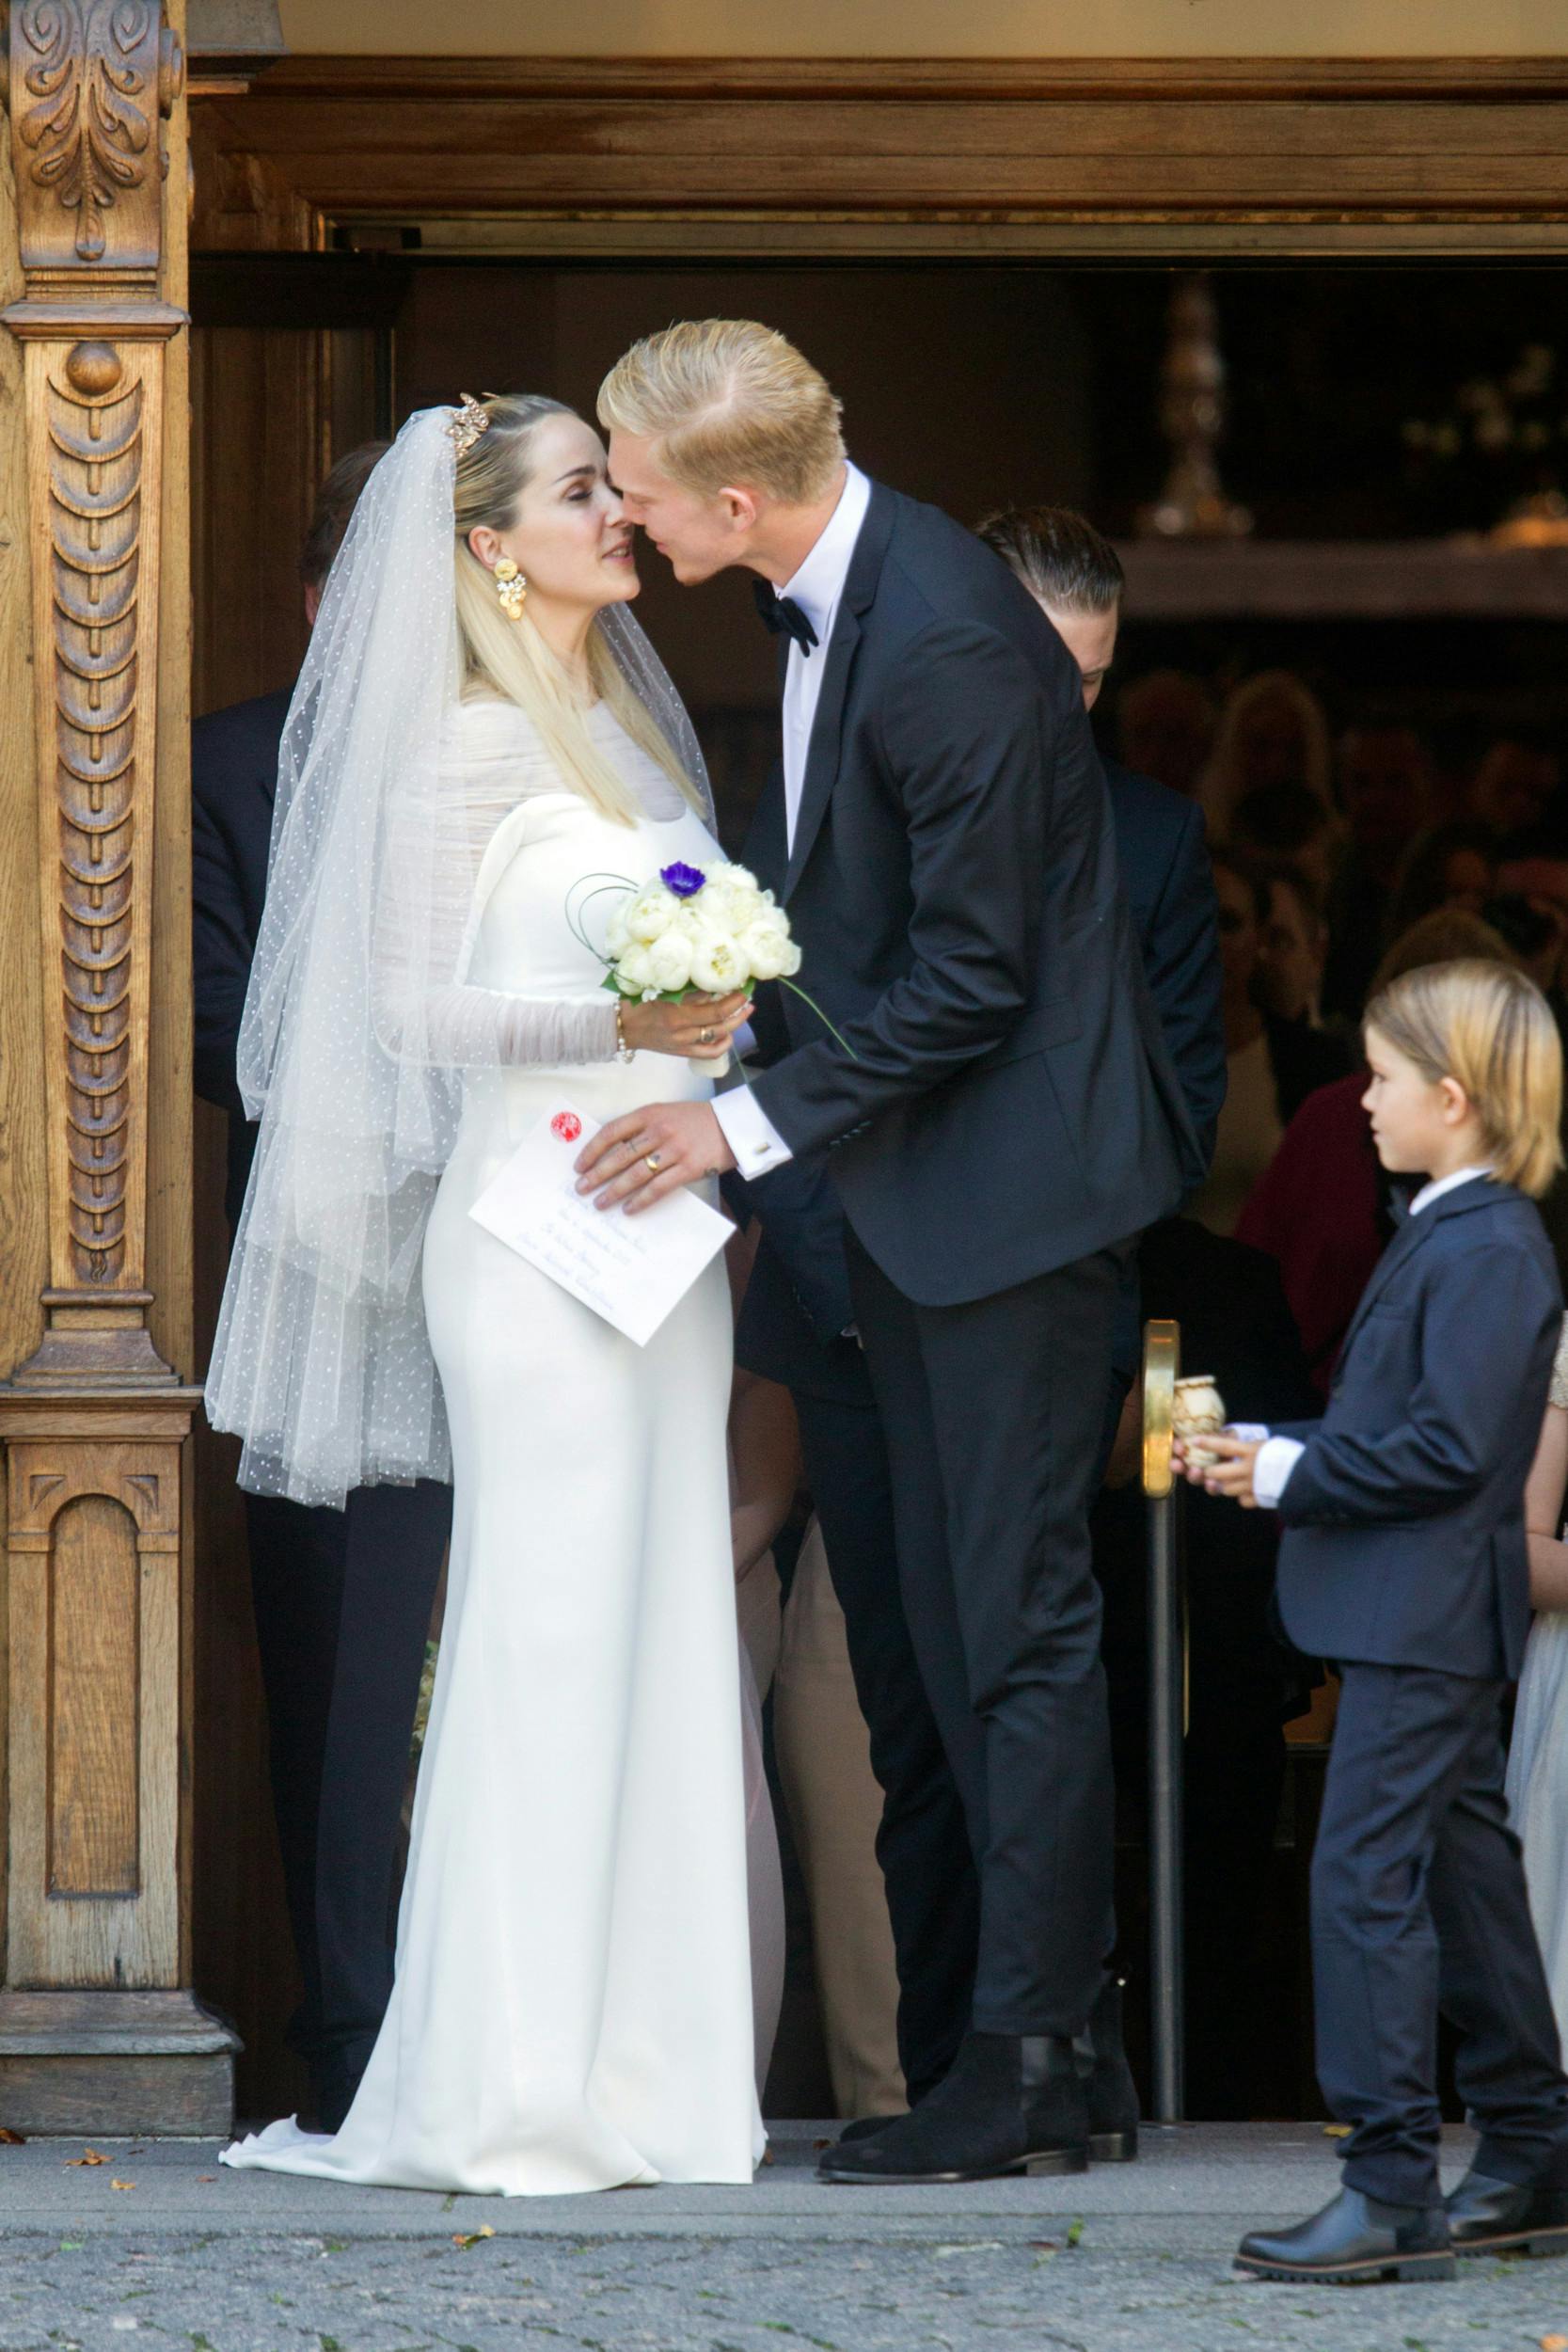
[640, 1158]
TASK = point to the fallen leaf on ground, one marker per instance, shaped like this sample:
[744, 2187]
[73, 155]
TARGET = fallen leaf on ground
[74, 2164]
[1075, 2232]
[11, 2139]
[203, 2177]
[1337, 2130]
[1553, 2343]
[122, 2184]
[472, 2237]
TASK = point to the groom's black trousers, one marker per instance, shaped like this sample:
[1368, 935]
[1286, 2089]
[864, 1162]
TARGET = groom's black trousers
[922, 1841]
[343, 1602]
[993, 1417]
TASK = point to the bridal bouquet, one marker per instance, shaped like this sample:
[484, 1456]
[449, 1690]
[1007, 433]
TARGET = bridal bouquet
[692, 931]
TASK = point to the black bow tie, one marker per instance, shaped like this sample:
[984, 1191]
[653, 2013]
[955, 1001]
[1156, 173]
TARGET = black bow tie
[784, 616]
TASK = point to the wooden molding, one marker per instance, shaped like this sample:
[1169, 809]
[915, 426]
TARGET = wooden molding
[90, 84]
[91, 81]
[680, 158]
[92, 1559]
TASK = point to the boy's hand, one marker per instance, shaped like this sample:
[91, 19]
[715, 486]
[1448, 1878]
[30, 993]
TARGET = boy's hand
[1230, 1473]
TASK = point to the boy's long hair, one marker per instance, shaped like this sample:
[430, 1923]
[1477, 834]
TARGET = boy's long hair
[1489, 1028]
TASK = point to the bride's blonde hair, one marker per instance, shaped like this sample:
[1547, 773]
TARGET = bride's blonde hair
[510, 659]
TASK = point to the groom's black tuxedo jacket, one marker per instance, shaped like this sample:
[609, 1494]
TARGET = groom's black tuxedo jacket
[1009, 1105]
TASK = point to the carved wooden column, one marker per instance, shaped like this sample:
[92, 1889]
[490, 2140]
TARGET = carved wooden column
[98, 2028]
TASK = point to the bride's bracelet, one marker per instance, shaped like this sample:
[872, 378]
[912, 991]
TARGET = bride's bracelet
[622, 1051]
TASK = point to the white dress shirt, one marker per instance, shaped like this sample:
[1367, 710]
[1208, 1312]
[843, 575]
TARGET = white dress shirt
[1279, 1456]
[818, 588]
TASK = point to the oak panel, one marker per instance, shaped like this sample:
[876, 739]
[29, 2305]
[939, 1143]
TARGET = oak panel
[94, 1643]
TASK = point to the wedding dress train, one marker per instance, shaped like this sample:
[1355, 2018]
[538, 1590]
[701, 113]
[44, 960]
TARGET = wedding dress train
[571, 2006]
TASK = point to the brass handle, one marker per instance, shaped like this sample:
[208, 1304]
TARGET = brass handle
[1161, 1366]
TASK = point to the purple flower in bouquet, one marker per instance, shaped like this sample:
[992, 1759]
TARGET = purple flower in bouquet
[681, 881]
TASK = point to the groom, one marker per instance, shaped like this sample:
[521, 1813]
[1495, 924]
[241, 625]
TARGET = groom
[1002, 1117]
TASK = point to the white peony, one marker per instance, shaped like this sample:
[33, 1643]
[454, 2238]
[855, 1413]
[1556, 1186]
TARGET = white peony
[768, 950]
[634, 970]
[717, 963]
[670, 961]
[651, 914]
[616, 935]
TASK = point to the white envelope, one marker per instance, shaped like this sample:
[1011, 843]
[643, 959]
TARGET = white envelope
[630, 1269]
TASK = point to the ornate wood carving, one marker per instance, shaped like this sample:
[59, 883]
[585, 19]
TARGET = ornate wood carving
[94, 1423]
[90, 81]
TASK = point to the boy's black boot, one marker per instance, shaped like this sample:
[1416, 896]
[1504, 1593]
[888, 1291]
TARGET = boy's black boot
[1490, 2216]
[1010, 2104]
[1355, 2241]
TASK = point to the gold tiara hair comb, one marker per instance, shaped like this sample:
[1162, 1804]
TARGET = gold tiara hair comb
[467, 423]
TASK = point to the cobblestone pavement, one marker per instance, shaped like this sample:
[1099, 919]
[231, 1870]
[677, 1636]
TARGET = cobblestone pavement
[1139, 2261]
[730, 2294]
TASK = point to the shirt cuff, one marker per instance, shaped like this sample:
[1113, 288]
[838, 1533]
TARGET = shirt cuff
[1270, 1472]
[757, 1145]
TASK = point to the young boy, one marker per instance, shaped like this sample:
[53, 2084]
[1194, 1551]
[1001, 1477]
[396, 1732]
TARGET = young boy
[1404, 1560]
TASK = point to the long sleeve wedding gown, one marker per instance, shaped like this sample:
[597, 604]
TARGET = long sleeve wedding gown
[572, 2001]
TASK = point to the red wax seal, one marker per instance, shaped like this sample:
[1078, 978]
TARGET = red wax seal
[568, 1125]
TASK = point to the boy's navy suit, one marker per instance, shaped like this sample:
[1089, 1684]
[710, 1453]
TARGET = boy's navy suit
[1403, 1559]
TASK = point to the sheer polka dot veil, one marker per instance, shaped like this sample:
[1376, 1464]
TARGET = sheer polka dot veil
[358, 1022]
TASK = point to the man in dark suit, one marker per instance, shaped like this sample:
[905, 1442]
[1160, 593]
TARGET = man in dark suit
[1004, 1119]
[796, 1314]
[342, 1598]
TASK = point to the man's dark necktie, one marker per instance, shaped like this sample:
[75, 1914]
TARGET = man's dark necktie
[784, 616]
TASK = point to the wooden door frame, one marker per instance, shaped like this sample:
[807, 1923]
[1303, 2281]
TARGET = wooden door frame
[1079, 159]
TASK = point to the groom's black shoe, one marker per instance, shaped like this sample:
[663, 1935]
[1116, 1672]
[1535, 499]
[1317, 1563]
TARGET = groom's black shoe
[1108, 2087]
[1011, 2103]
[1355, 2241]
[1489, 2217]
[1112, 2094]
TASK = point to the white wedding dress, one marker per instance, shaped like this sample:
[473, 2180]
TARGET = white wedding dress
[572, 2007]
[1537, 1771]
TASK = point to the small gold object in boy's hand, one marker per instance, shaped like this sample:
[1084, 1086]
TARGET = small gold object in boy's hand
[1198, 1412]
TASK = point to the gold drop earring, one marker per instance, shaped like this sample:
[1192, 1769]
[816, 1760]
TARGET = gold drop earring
[512, 588]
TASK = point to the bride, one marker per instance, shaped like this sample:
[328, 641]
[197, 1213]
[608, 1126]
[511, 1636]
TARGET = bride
[480, 726]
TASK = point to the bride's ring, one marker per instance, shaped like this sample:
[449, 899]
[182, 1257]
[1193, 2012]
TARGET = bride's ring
[705, 1037]
[651, 1159]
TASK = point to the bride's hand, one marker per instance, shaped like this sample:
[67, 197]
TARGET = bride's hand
[700, 1029]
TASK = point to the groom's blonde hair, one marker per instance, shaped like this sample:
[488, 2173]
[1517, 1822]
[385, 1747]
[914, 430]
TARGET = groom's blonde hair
[728, 403]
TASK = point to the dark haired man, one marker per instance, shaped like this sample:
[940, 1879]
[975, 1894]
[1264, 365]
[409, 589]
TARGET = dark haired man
[342, 1598]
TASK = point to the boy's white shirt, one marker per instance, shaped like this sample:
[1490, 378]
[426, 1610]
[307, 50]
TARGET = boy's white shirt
[1279, 1456]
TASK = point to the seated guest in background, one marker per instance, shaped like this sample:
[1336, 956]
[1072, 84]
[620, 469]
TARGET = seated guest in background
[1292, 946]
[1386, 793]
[1165, 726]
[1534, 938]
[1450, 866]
[1286, 825]
[1514, 784]
[1244, 1681]
[1272, 1064]
[1533, 865]
[1320, 1208]
[1272, 733]
[342, 1598]
[795, 1326]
